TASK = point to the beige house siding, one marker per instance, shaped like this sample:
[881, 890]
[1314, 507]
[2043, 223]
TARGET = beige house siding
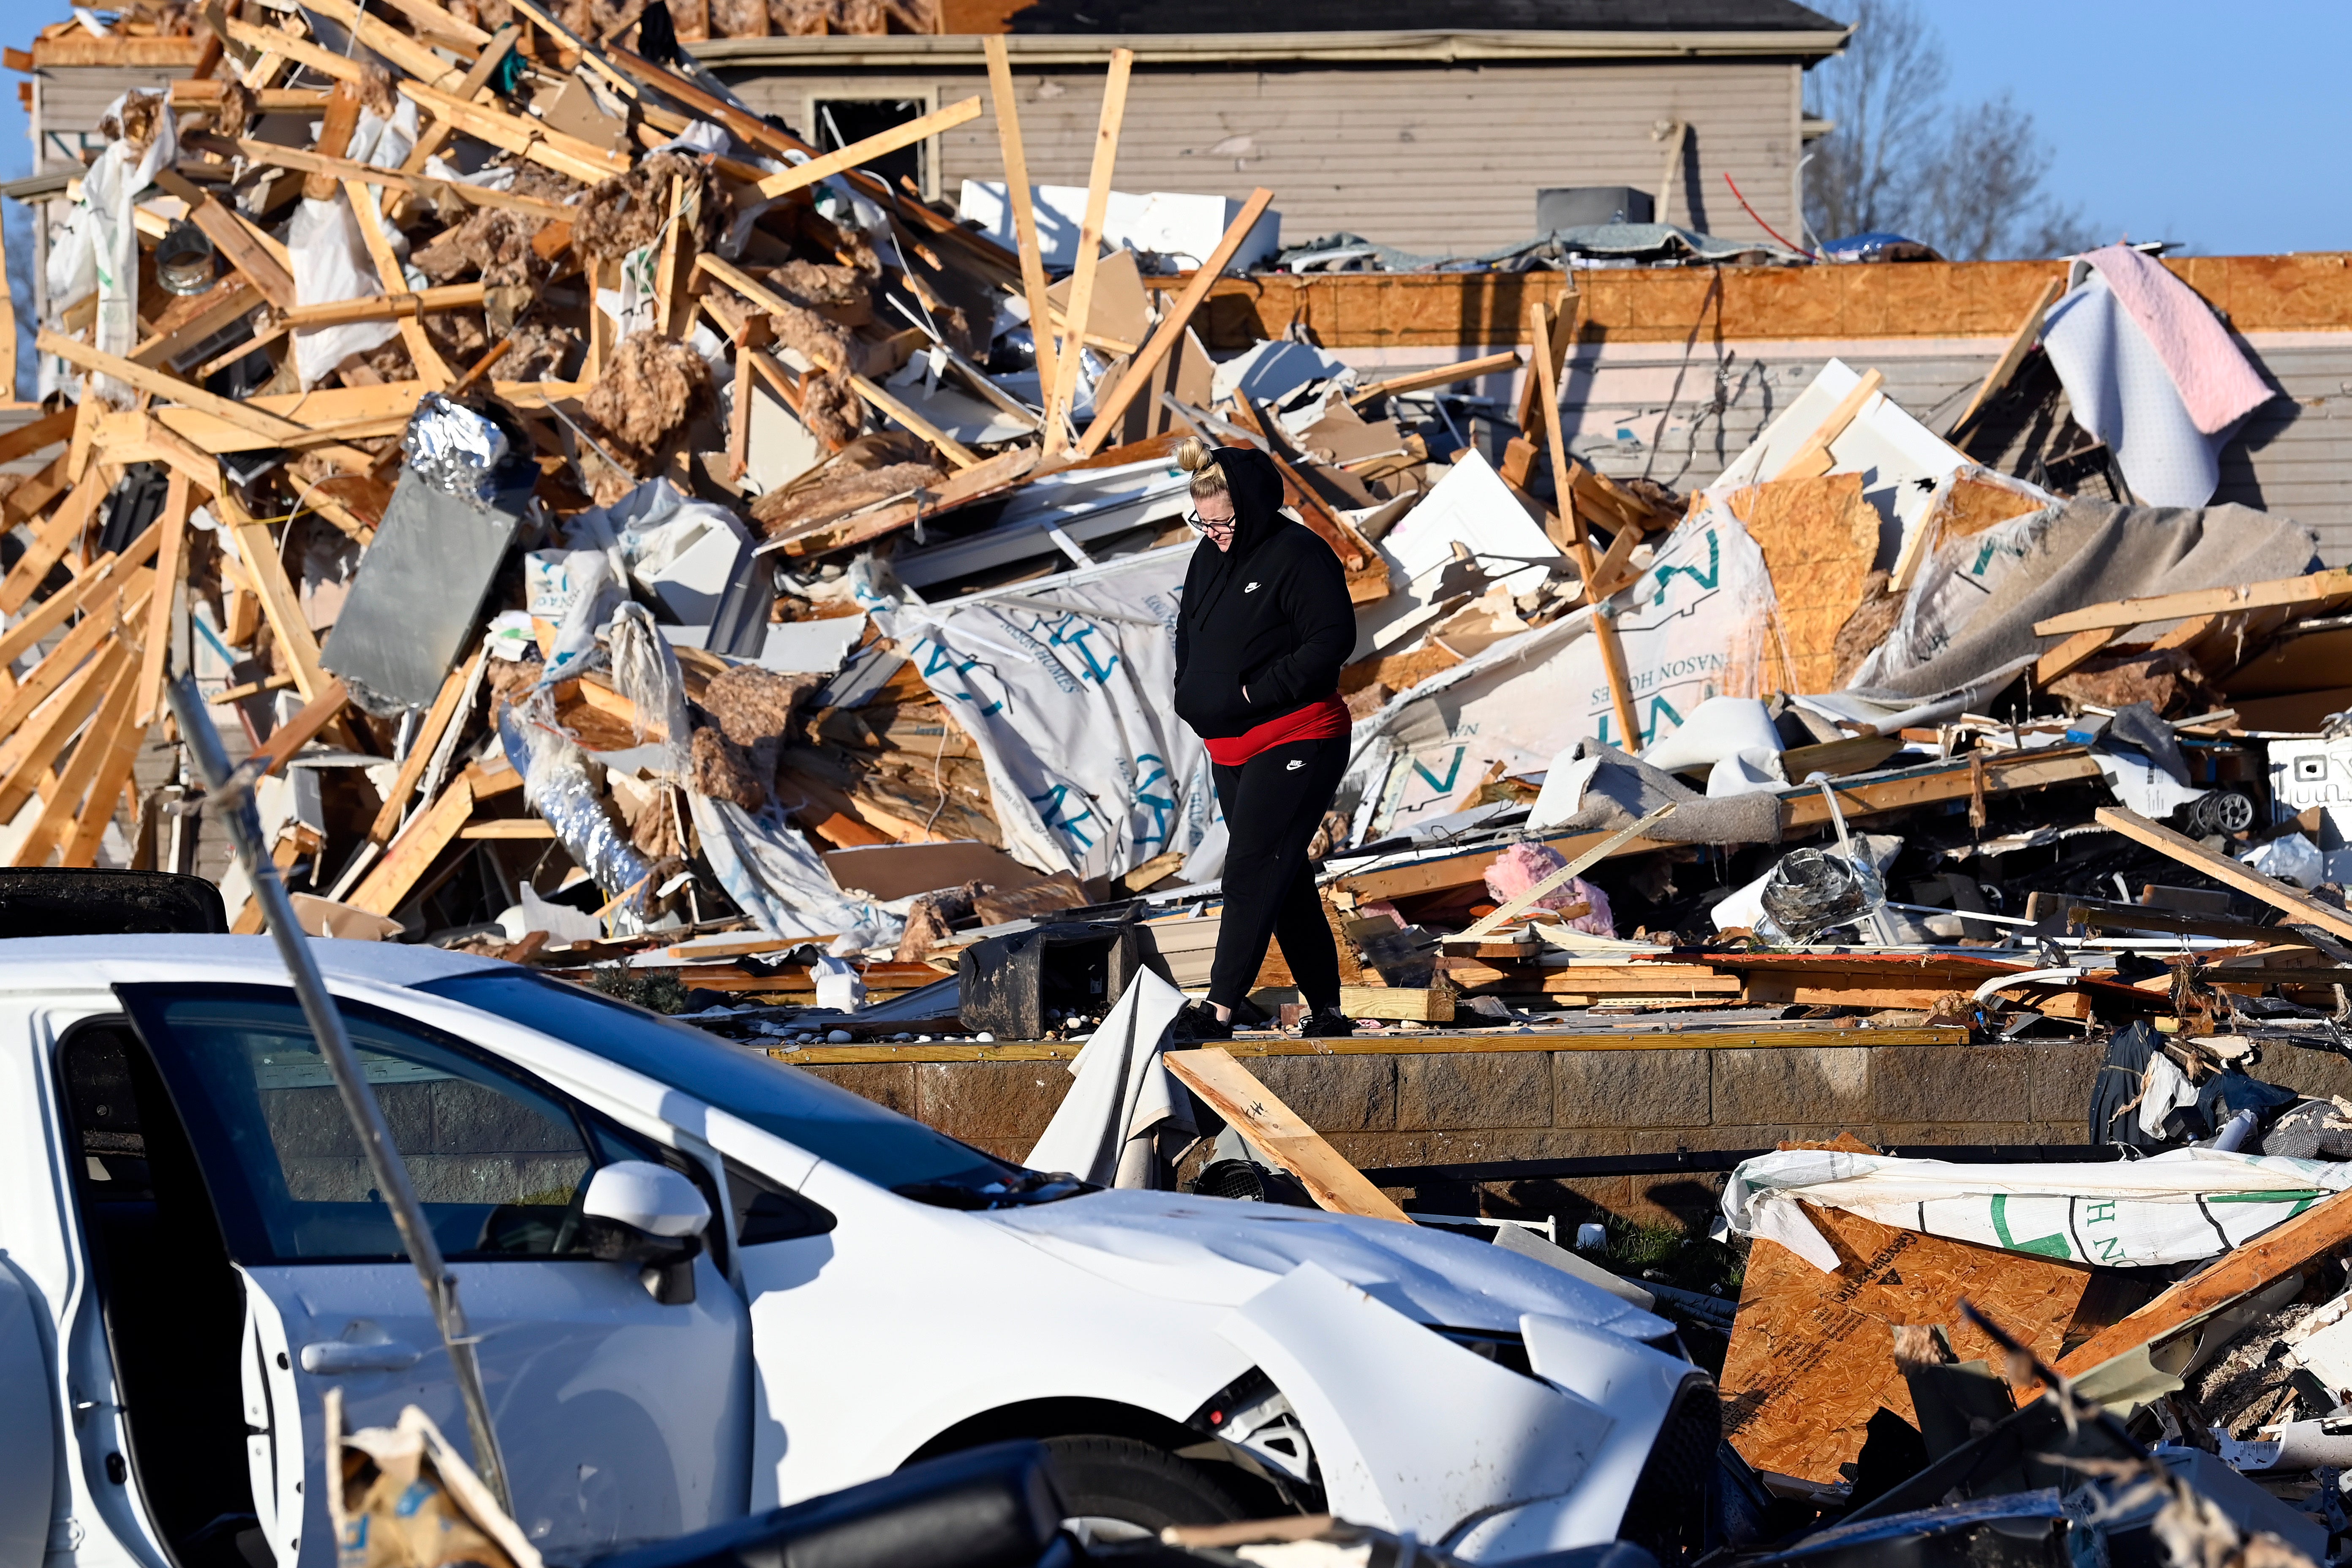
[1432, 158]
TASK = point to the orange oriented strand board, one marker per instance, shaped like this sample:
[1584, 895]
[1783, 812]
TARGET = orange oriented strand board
[1819, 538]
[1812, 1355]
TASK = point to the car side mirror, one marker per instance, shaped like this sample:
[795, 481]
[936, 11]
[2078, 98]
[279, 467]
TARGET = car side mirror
[637, 1212]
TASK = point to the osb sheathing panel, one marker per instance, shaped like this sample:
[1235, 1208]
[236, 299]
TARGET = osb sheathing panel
[1909, 299]
[1819, 538]
[1812, 1355]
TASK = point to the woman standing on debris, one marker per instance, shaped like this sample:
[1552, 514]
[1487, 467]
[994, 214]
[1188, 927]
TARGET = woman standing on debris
[1264, 626]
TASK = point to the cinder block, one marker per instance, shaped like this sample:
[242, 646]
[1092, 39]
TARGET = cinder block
[980, 1100]
[2063, 1075]
[1802, 1086]
[1334, 1094]
[1919, 1138]
[1951, 1083]
[885, 1083]
[1632, 1089]
[2316, 1075]
[1473, 1090]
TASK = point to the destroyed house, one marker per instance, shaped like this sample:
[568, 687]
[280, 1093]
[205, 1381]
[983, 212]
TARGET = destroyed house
[1428, 126]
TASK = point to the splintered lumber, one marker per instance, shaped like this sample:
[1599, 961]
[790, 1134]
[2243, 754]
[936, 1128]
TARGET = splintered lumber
[2288, 593]
[1443, 376]
[955, 451]
[110, 777]
[1275, 1130]
[166, 385]
[260, 258]
[398, 48]
[431, 368]
[303, 728]
[171, 534]
[106, 574]
[189, 322]
[62, 808]
[1025, 215]
[50, 542]
[1812, 1357]
[857, 153]
[257, 553]
[426, 741]
[1090, 227]
[345, 169]
[2304, 908]
[2276, 1253]
[1110, 409]
[411, 855]
[27, 758]
[473, 89]
[46, 431]
[1604, 628]
[1812, 458]
[568, 155]
[2019, 341]
[2073, 654]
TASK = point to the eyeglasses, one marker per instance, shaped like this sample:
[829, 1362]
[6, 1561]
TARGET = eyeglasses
[1204, 525]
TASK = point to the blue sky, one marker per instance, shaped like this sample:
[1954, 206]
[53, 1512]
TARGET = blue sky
[2219, 128]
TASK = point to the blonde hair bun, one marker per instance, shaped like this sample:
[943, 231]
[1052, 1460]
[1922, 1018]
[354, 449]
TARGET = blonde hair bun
[1192, 454]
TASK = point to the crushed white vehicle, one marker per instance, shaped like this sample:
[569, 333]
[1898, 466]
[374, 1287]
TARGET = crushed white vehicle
[704, 1283]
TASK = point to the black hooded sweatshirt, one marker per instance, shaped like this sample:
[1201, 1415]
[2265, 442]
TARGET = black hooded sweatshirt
[1271, 613]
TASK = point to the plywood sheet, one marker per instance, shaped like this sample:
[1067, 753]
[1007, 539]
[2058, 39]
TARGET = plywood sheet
[1812, 1355]
[1819, 538]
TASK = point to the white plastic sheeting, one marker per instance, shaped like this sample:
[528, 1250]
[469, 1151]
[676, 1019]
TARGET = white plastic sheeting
[99, 250]
[2173, 1207]
[1106, 1129]
[1693, 627]
[1063, 683]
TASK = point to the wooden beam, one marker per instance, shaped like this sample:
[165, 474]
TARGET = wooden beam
[61, 809]
[55, 536]
[1604, 630]
[2073, 654]
[1110, 409]
[348, 172]
[25, 759]
[431, 368]
[1276, 1131]
[222, 306]
[118, 755]
[108, 572]
[170, 533]
[1559, 879]
[257, 553]
[302, 51]
[955, 451]
[508, 827]
[260, 258]
[803, 175]
[46, 431]
[302, 727]
[421, 747]
[1813, 458]
[1444, 376]
[475, 88]
[1082, 279]
[165, 385]
[2248, 1268]
[2020, 341]
[412, 854]
[1025, 220]
[2285, 592]
[399, 50]
[569, 155]
[2300, 906]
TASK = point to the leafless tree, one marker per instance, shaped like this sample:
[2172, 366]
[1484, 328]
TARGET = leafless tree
[1904, 158]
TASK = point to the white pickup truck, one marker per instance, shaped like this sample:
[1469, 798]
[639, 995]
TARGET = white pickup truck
[192, 1254]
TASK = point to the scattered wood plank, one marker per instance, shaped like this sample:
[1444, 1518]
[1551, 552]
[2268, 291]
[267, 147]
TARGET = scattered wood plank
[2298, 904]
[1604, 628]
[280, 606]
[303, 728]
[1415, 1003]
[508, 827]
[170, 535]
[1444, 376]
[31, 751]
[2288, 593]
[409, 857]
[857, 153]
[2073, 654]
[1024, 215]
[2020, 341]
[163, 384]
[1082, 278]
[62, 807]
[1275, 1130]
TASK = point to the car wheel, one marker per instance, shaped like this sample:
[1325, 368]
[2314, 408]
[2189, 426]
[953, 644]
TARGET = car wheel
[1119, 1490]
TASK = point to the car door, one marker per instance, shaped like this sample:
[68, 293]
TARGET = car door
[621, 1419]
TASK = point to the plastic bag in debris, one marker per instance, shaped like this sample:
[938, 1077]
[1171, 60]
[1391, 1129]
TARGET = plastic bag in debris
[556, 781]
[595, 580]
[331, 265]
[839, 988]
[646, 671]
[99, 250]
[2292, 859]
[776, 879]
[401, 1497]
[455, 450]
[1812, 890]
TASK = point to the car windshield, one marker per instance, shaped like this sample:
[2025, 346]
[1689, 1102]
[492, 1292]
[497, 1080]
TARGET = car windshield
[880, 1145]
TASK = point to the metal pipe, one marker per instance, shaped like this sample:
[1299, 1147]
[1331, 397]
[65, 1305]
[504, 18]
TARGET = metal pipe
[230, 795]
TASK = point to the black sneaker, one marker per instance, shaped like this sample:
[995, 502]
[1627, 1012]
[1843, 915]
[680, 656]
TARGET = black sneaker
[1199, 1021]
[1327, 1024]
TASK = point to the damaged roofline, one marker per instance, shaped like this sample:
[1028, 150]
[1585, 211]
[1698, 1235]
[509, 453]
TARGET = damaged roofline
[1221, 48]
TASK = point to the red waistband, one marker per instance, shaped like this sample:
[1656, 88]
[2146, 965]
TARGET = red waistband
[1316, 721]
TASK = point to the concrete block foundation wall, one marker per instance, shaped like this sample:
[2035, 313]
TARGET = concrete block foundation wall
[1459, 1107]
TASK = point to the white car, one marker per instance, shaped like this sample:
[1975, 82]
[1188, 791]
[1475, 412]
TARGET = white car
[193, 1256]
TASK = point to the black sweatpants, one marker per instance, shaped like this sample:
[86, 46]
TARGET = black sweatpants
[1273, 804]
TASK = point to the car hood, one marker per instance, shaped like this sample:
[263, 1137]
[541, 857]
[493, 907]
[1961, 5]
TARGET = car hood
[1221, 1252]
